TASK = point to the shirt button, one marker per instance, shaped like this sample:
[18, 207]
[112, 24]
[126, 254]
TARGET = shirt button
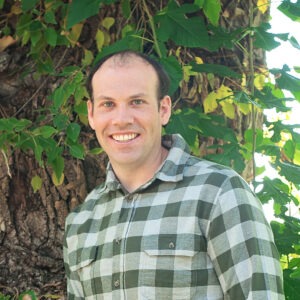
[129, 197]
[171, 245]
[117, 283]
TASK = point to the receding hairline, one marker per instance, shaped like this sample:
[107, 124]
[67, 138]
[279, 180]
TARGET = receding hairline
[123, 60]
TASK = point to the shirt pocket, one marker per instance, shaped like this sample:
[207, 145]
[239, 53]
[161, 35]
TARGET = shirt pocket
[168, 268]
[83, 263]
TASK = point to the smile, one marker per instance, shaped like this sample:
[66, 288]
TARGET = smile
[124, 137]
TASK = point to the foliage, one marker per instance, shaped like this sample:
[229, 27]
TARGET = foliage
[28, 295]
[168, 32]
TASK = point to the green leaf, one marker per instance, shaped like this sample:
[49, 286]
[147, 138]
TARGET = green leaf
[216, 69]
[77, 151]
[258, 136]
[49, 17]
[88, 58]
[290, 9]
[268, 99]
[290, 171]
[199, 3]
[35, 37]
[284, 236]
[51, 36]
[212, 11]
[244, 97]
[181, 122]
[295, 262]
[81, 108]
[1, 4]
[5, 124]
[269, 149]
[174, 70]
[23, 25]
[80, 10]
[291, 285]
[58, 165]
[131, 41]
[215, 126]
[38, 151]
[58, 180]
[21, 125]
[228, 155]
[52, 151]
[289, 149]
[28, 4]
[219, 37]
[10, 124]
[61, 94]
[296, 274]
[287, 81]
[45, 131]
[126, 9]
[96, 151]
[174, 25]
[36, 183]
[60, 121]
[266, 40]
[294, 43]
[73, 131]
[274, 189]
[30, 294]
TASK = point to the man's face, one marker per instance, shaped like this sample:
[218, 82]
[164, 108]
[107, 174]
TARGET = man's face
[126, 115]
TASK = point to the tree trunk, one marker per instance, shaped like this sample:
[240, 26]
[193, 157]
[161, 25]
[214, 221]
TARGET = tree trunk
[32, 223]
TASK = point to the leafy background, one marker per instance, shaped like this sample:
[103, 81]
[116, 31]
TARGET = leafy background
[219, 109]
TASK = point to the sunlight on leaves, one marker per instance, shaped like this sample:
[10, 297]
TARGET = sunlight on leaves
[36, 183]
[263, 5]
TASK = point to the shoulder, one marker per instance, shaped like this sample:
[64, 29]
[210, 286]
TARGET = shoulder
[200, 167]
[83, 211]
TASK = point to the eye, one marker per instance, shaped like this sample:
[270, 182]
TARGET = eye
[108, 104]
[137, 101]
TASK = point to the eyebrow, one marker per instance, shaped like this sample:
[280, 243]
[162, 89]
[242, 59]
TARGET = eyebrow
[134, 96]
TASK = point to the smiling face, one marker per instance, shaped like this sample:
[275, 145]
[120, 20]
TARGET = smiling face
[126, 114]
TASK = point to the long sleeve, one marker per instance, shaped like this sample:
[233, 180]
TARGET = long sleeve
[74, 286]
[241, 245]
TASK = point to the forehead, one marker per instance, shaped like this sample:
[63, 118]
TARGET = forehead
[129, 61]
[125, 74]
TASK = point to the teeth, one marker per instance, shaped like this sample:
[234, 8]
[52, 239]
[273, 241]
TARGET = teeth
[124, 137]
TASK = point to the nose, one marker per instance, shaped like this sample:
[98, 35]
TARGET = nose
[123, 116]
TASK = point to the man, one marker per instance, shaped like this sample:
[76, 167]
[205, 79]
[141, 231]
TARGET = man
[165, 224]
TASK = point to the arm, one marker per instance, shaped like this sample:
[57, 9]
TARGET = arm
[74, 287]
[241, 245]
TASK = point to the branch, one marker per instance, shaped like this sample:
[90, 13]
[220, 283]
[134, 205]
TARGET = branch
[251, 85]
[152, 28]
[40, 87]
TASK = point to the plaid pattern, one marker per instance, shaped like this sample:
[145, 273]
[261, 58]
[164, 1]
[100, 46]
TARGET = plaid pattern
[195, 231]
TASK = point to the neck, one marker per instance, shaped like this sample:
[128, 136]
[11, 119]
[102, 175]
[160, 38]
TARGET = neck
[132, 177]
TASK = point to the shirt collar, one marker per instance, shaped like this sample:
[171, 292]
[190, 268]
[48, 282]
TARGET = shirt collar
[172, 168]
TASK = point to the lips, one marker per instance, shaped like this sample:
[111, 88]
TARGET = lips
[124, 137]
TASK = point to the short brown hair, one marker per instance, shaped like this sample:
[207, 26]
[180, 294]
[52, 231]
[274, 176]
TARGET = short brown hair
[163, 77]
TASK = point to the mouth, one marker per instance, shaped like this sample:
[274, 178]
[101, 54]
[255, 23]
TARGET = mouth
[124, 137]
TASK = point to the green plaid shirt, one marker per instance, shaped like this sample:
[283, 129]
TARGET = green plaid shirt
[195, 231]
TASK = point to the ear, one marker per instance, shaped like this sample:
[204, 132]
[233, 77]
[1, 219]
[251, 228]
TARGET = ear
[165, 109]
[90, 109]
